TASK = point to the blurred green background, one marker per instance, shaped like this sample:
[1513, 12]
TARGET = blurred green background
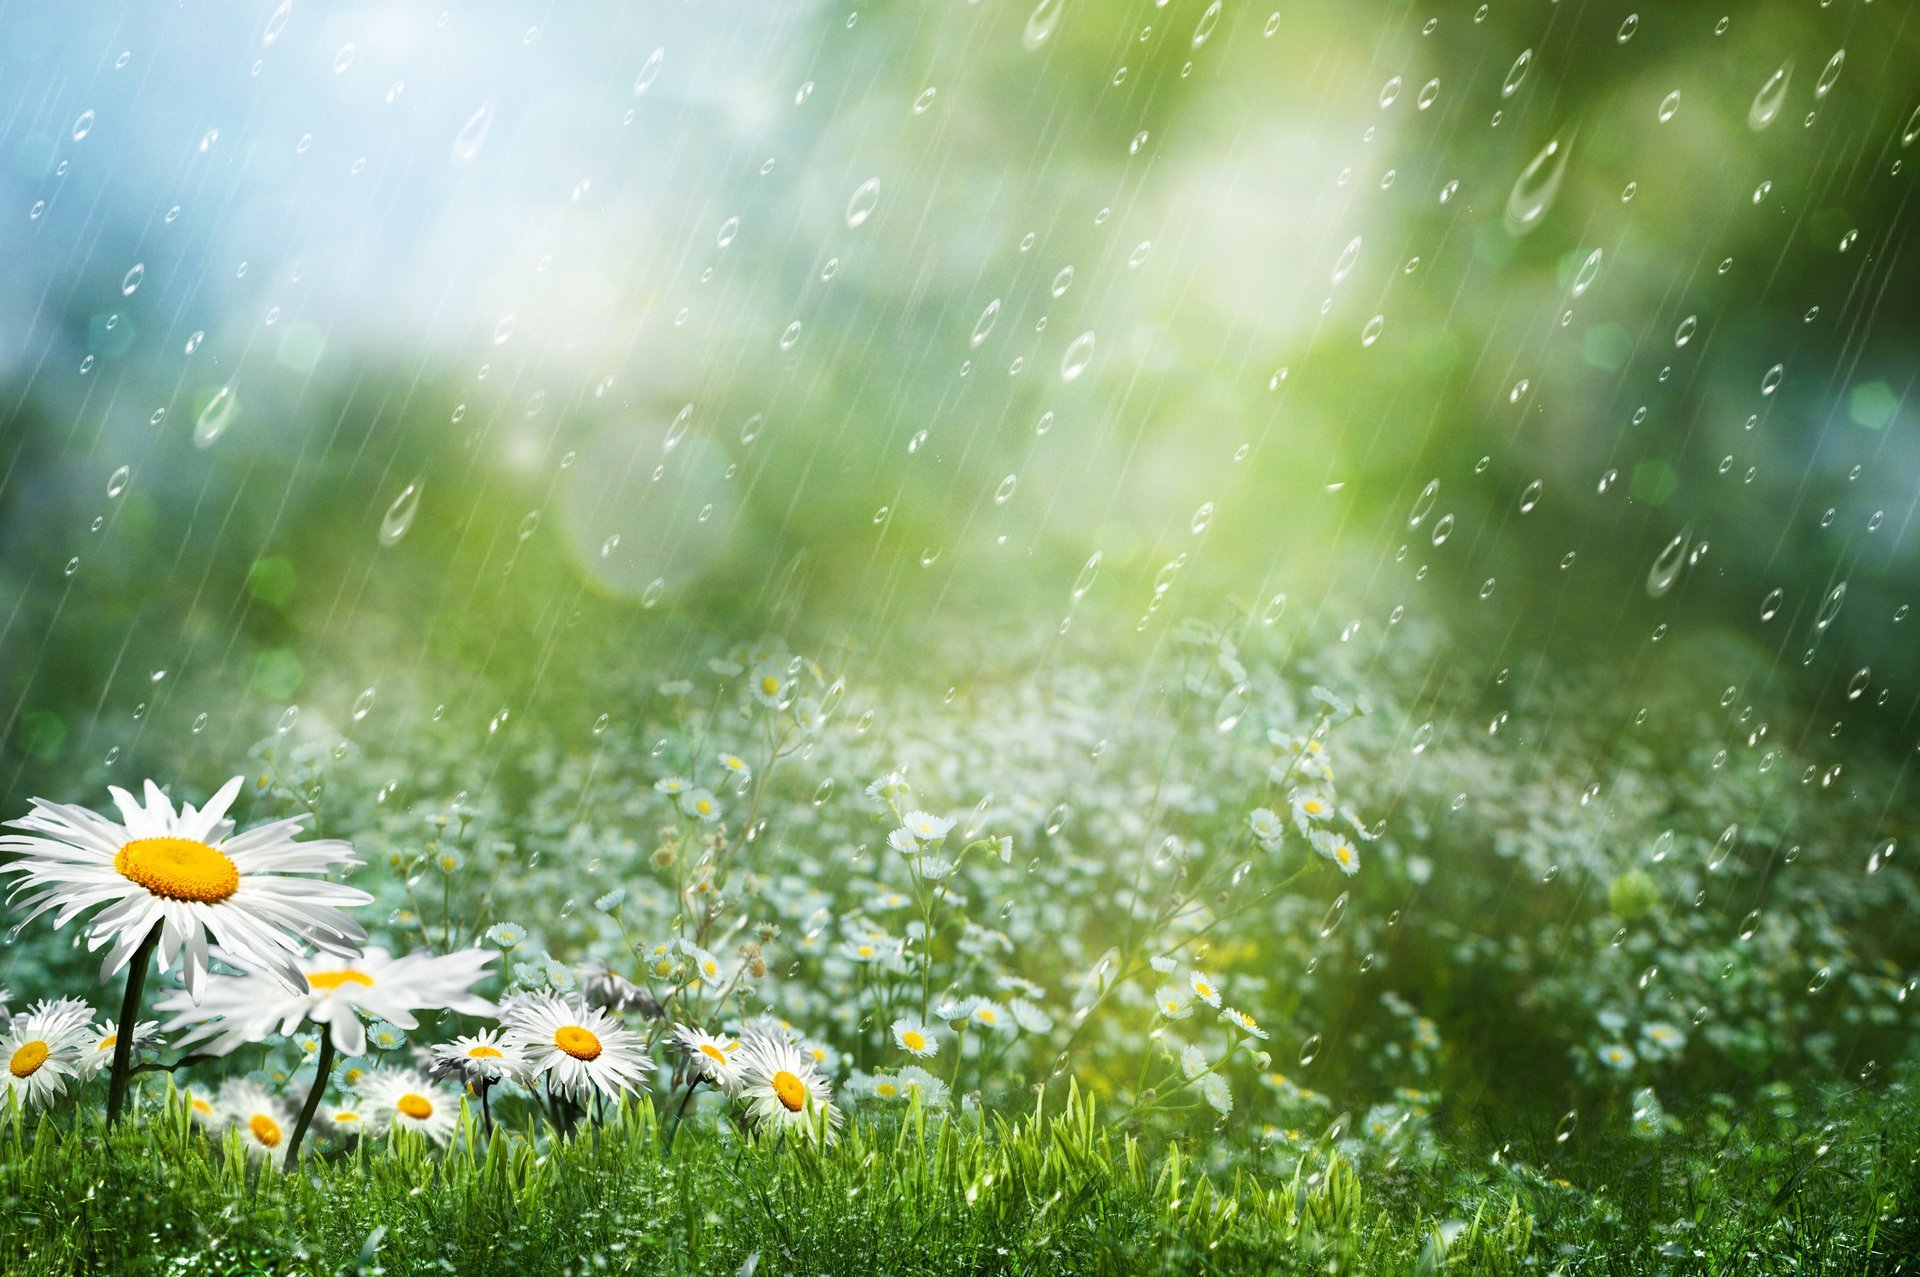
[470, 355]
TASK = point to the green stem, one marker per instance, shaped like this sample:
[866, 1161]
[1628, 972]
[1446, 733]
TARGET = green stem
[323, 1066]
[129, 1022]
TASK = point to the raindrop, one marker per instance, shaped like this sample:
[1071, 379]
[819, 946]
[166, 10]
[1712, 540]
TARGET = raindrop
[1309, 1050]
[1088, 573]
[1062, 281]
[860, 205]
[1232, 706]
[1041, 21]
[1767, 102]
[1820, 979]
[1348, 255]
[83, 125]
[1079, 353]
[132, 279]
[1538, 183]
[1589, 269]
[214, 418]
[1422, 737]
[399, 516]
[1830, 607]
[1004, 493]
[361, 704]
[1371, 333]
[472, 136]
[1770, 606]
[1666, 568]
[1202, 517]
[648, 71]
[1771, 381]
[1516, 73]
[985, 322]
[1423, 503]
[117, 481]
[1428, 92]
[1443, 529]
[1204, 28]
[1275, 606]
[1531, 497]
[1564, 1131]
[1684, 333]
[1829, 74]
[1669, 105]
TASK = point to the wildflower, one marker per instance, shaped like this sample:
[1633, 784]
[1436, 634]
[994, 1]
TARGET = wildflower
[479, 1060]
[783, 1090]
[735, 766]
[607, 988]
[345, 1121]
[1193, 1062]
[1662, 1038]
[713, 1058]
[888, 787]
[176, 875]
[676, 687]
[102, 1038]
[915, 1038]
[1163, 964]
[903, 841]
[401, 1098]
[1616, 1057]
[1245, 1022]
[508, 935]
[824, 1057]
[671, 785]
[43, 1050]
[705, 964]
[448, 861]
[701, 805]
[770, 686]
[1029, 1016]
[577, 1050]
[989, 1014]
[1173, 1002]
[238, 1009]
[385, 1037]
[1308, 808]
[1266, 825]
[1214, 1089]
[1339, 849]
[917, 1081]
[263, 1122]
[1206, 988]
[926, 827]
[611, 901]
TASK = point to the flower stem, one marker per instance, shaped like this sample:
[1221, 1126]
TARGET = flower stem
[129, 1021]
[323, 1066]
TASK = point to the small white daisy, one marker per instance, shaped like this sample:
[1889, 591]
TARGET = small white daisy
[712, 1058]
[770, 686]
[1339, 849]
[263, 1122]
[1266, 825]
[402, 1098]
[102, 1038]
[701, 805]
[1206, 988]
[927, 827]
[479, 1059]
[578, 1050]
[915, 1038]
[735, 766]
[782, 1089]
[1246, 1023]
[43, 1050]
[1173, 1002]
[670, 785]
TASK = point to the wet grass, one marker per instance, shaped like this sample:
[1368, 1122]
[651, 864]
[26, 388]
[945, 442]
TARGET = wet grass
[1829, 1186]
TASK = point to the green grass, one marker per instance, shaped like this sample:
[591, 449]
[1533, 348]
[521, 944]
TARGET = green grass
[1828, 1185]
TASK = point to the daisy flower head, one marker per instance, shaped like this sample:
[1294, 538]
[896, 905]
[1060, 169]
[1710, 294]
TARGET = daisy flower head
[1206, 988]
[889, 787]
[508, 935]
[102, 1038]
[234, 1010]
[714, 1059]
[915, 1038]
[201, 1107]
[1246, 1023]
[262, 1121]
[1266, 825]
[43, 1052]
[903, 841]
[671, 785]
[1616, 1057]
[262, 896]
[607, 988]
[1339, 849]
[345, 1121]
[988, 1014]
[1215, 1090]
[400, 1099]
[578, 1050]
[783, 1090]
[1309, 808]
[1030, 1016]
[701, 805]
[705, 965]
[927, 827]
[770, 685]
[1173, 1002]
[917, 1081]
[479, 1059]
[735, 766]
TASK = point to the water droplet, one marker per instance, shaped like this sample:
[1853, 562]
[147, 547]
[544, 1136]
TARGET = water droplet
[1062, 281]
[1234, 704]
[1531, 496]
[1534, 190]
[1371, 333]
[1309, 1050]
[472, 136]
[1078, 355]
[1666, 567]
[1820, 979]
[1204, 28]
[1830, 73]
[117, 481]
[1423, 503]
[1202, 517]
[1004, 492]
[1348, 256]
[214, 418]
[1057, 819]
[399, 516]
[287, 720]
[361, 704]
[1041, 21]
[1564, 1131]
[1516, 73]
[1088, 573]
[131, 280]
[860, 204]
[985, 323]
[1830, 607]
[1422, 737]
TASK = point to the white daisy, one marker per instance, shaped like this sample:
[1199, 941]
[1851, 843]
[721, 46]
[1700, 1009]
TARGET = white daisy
[917, 1081]
[712, 1058]
[402, 1098]
[346, 1121]
[735, 766]
[578, 1050]
[783, 1090]
[1214, 1089]
[1266, 825]
[43, 1050]
[102, 1038]
[770, 686]
[927, 827]
[700, 804]
[1308, 808]
[1339, 849]
[234, 1010]
[479, 1059]
[1030, 1016]
[263, 1122]
[915, 1038]
[1246, 1022]
[1173, 1002]
[670, 785]
[1206, 988]
[184, 872]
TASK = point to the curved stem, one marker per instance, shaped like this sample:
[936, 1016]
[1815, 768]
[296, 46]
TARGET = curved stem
[323, 1066]
[129, 1021]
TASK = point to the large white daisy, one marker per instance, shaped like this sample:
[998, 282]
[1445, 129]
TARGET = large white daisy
[578, 1049]
[402, 1098]
[783, 1090]
[185, 872]
[263, 1122]
[42, 1051]
[234, 1010]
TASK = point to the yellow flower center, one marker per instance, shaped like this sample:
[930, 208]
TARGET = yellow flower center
[577, 1042]
[865, 951]
[769, 685]
[484, 1052]
[1343, 853]
[713, 1053]
[914, 1040]
[346, 1117]
[265, 1129]
[28, 1059]
[416, 1106]
[178, 869]
[704, 807]
[201, 1107]
[986, 1015]
[885, 1090]
[790, 1091]
[1202, 988]
[329, 981]
[108, 1042]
